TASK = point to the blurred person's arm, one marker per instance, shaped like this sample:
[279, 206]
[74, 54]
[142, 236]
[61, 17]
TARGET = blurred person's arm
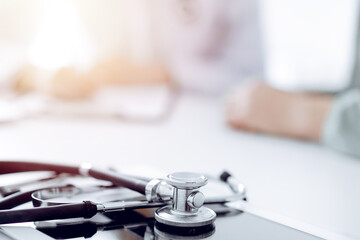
[334, 121]
[70, 83]
[257, 107]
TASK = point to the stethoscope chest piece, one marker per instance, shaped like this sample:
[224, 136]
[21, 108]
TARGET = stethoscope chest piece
[187, 209]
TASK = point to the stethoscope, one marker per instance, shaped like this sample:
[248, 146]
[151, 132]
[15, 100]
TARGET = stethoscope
[178, 200]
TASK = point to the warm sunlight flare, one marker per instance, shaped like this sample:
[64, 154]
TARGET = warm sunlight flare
[60, 40]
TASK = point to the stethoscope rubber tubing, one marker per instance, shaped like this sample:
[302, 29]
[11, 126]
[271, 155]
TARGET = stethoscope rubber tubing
[116, 178]
[22, 166]
[86, 210]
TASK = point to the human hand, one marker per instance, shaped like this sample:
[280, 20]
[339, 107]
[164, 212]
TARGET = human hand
[70, 83]
[259, 108]
[65, 83]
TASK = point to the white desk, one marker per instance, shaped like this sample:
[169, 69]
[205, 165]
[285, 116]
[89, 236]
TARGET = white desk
[296, 179]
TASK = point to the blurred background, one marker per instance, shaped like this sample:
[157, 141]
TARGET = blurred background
[93, 60]
[69, 49]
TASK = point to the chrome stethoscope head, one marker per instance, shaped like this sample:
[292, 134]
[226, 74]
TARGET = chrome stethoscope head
[187, 208]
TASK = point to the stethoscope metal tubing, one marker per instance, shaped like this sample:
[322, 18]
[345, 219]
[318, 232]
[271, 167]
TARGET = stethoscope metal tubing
[61, 181]
[129, 205]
